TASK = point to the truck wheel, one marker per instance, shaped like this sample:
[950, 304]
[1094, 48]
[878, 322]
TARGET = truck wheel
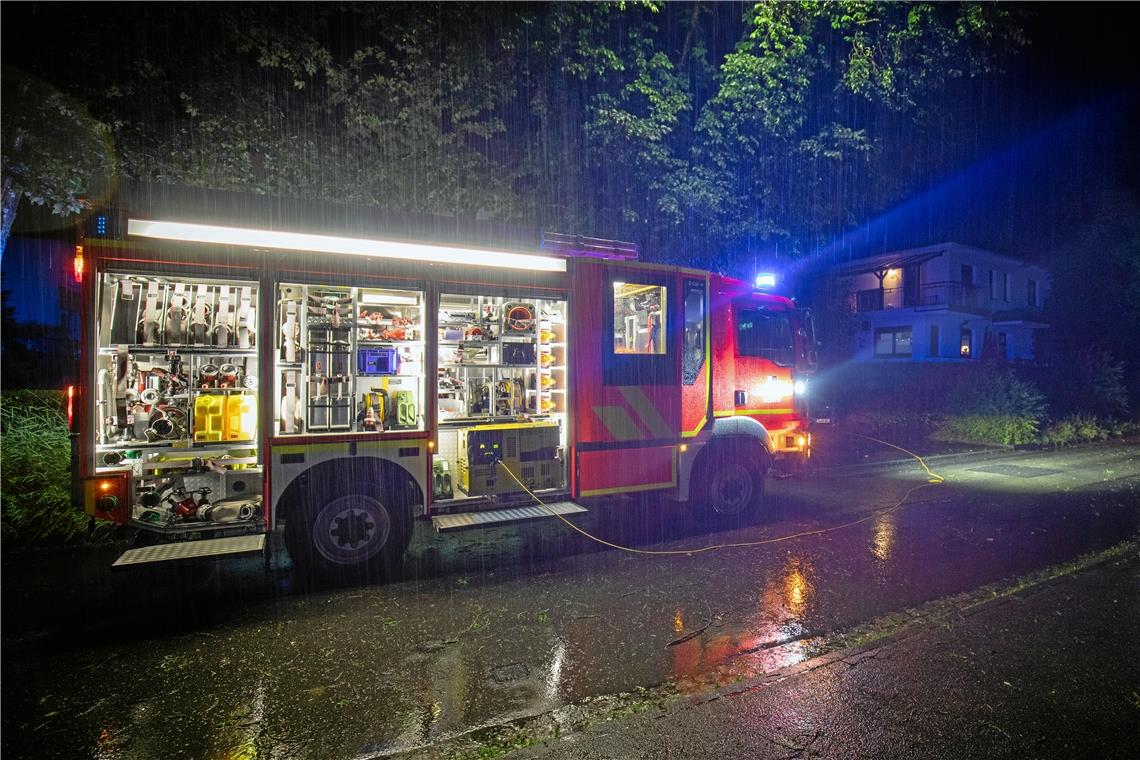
[732, 487]
[351, 536]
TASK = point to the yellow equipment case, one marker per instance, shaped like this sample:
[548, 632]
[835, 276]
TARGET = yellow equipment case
[530, 450]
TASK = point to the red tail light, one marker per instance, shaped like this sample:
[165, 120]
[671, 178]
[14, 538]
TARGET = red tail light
[79, 263]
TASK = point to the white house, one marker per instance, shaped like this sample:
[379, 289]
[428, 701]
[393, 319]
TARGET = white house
[943, 303]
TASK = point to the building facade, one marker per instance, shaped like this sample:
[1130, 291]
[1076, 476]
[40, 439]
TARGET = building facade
[942, 303]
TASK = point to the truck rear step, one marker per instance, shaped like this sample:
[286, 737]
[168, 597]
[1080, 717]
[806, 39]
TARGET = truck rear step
[466, 520]
[211, 547]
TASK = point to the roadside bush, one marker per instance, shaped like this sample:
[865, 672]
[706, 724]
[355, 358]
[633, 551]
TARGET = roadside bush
[992, 405]
[1120, 428]
[880, 420]
[1088, 381]
[1083, 428]
[1006, 429]
[962, 403]
[35, 469]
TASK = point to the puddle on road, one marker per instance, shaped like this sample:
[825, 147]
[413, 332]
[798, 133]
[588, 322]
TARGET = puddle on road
[772, 638]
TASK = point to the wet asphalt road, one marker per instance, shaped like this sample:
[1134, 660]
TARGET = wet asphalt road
[226, 661]
[1052, 672]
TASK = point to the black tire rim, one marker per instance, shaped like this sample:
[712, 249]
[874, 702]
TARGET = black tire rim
[732, 489]
[351, 529]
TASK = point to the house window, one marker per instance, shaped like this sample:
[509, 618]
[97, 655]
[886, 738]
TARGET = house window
[1005, 287]
[967, 276]
[893, 341]
[1032, 296]
[993, 285]
[934, 341]
[1002, 344]
[967, 343]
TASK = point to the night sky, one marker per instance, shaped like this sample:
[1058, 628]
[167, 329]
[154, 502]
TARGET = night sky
[1056, 142]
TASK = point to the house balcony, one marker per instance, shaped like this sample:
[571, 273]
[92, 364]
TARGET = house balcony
[930, 296]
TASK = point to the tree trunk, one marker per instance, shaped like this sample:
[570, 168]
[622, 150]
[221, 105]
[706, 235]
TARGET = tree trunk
[11, 202]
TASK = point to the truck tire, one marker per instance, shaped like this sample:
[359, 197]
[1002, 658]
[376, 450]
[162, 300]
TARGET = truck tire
[731, 486]
[354, 535]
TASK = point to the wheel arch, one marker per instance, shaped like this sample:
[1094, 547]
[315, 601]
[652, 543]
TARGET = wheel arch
[331, 476]
[725, 431]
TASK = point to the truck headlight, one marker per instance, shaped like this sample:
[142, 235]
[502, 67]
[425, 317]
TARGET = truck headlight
[774, 390]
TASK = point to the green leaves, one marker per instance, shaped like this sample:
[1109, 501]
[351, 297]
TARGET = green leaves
[52, 148]
[688, 127]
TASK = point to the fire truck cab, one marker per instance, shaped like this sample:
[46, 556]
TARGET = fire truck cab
[244, 374]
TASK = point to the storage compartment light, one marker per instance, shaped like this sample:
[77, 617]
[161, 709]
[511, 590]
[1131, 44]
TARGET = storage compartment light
[296, 241]
[388, 299]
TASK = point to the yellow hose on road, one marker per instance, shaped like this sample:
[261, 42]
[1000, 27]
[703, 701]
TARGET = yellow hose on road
[934, 479]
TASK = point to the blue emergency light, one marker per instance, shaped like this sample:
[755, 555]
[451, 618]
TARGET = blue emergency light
[765, 281]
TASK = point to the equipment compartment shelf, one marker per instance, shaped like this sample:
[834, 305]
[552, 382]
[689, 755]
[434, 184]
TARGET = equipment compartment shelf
[198, 446]
[255, 525]
[477, 365]
[186, 348]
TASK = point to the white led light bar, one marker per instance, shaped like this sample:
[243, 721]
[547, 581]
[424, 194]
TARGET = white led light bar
[297, 241]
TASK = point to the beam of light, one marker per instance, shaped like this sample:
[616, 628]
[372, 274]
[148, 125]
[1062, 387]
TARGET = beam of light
[986, 180]
[883, 540]
[554, 675]
[297, 241]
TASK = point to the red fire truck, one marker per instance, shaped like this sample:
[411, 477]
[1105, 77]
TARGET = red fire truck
[243, 373]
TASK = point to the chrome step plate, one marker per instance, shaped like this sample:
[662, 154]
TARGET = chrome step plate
[210, 547]
[444, 523]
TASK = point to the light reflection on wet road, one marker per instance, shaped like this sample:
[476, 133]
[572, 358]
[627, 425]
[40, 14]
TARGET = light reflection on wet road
[515, 623]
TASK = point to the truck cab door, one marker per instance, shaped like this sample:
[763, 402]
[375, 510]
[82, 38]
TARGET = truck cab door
[807, 353]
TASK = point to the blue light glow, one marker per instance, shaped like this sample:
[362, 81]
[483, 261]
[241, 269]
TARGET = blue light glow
[765, 280]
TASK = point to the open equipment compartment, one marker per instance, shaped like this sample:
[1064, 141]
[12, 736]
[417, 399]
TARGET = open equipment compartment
[176, 400]
[349, 359]
[501, 395]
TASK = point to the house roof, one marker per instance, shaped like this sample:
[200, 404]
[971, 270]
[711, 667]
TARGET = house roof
[882, 263]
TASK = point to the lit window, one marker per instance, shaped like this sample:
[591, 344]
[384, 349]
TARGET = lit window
[893, 341]
[639, 318]
[967, 344]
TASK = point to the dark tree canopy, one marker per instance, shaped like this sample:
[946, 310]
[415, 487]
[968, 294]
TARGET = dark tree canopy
[700, 130]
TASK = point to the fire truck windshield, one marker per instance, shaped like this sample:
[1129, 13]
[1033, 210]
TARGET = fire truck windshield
[764, 333]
